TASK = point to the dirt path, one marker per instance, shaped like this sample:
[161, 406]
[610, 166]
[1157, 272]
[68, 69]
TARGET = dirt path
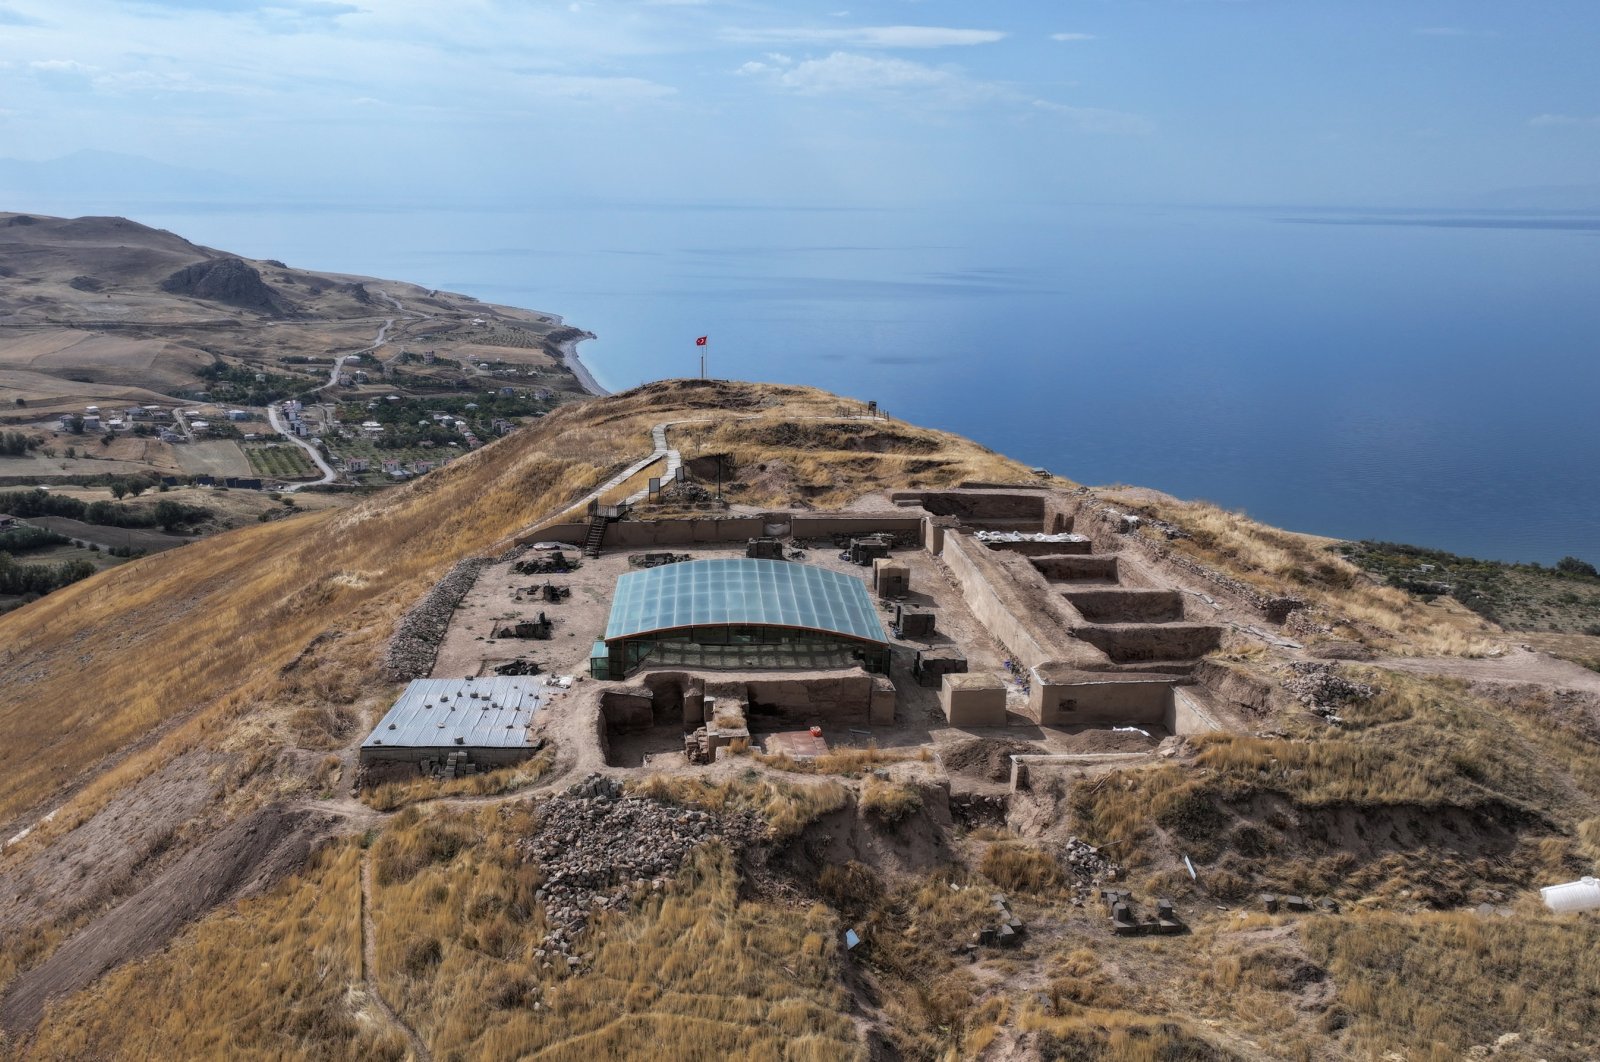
[369, 965]
[1517, 668]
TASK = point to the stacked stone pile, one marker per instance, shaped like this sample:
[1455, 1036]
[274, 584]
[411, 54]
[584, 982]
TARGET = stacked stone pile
[416, 639]
[1084, 861]
[596, 846]
[1323, 690]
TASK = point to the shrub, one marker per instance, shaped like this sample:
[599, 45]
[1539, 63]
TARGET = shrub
[1574, 566]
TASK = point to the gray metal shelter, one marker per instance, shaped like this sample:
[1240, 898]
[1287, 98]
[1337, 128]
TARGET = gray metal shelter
[485, 717]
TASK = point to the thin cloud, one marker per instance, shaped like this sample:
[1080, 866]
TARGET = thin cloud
[868, 36]
[924, 86]
[1556, 121]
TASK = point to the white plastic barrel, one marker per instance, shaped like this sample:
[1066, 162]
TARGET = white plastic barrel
[1581, 895]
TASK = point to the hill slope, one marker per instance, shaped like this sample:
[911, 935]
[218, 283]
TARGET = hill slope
[92, 306]
[195, 885]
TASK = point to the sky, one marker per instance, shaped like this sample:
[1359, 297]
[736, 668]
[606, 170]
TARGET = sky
[836, 102]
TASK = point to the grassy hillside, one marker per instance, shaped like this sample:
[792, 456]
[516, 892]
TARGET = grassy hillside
[151, 705]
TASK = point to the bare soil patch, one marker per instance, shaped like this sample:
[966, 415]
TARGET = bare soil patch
[243, 859]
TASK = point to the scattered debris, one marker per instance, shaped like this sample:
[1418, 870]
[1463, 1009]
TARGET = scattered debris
[539, 629]
[1007, 932]
[518, 667]
[557, 563]
[656, 560]
[1125, 920]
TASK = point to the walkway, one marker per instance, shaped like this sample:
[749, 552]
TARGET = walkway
[658, 434]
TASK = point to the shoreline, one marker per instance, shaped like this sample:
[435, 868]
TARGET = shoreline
[586, 380]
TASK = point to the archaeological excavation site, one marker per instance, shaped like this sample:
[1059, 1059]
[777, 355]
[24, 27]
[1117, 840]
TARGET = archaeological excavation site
[1025, 616]
[824, 736]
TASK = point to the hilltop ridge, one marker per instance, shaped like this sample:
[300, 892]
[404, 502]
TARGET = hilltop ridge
[220, 690]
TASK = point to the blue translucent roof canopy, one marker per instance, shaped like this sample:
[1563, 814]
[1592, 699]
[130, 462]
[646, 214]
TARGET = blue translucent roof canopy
[724, 590]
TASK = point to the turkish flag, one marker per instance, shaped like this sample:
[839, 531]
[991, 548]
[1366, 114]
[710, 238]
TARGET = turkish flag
[701, 341]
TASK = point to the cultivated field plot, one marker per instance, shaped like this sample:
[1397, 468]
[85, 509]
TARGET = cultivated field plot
[118, 360]
[52, 395]
[530, 356]
[125, 455]
[281, 461]
[346, 449]
[214, 457]
[61, 554]
[147, 539]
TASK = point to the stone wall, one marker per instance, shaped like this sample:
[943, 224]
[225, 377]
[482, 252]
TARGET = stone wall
[1084, 703]
[1137, 702]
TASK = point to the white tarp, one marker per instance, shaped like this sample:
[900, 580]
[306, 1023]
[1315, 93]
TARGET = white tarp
[1026, 536]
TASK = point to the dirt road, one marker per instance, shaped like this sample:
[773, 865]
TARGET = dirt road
[1517, 668]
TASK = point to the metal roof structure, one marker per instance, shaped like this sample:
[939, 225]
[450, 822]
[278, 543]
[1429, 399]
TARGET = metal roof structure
[741, 590]
[480, 712]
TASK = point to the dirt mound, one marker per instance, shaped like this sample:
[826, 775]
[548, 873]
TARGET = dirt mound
[243, 859]
[913, 844]
[1108, 740]
[988, 758]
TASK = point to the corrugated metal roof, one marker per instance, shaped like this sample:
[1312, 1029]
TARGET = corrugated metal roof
[483, 712]
[743, 590]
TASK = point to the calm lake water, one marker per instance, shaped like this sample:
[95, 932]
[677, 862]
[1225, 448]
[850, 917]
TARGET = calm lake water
[1428, 378]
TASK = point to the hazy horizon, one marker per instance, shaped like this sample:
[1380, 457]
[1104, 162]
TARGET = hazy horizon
[889, 102]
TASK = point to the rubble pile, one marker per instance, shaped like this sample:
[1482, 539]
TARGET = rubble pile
[1322, 689]
[416, 639]
[595, 845]
[1084, 861]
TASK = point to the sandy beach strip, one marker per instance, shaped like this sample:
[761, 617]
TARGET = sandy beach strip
[569, 351]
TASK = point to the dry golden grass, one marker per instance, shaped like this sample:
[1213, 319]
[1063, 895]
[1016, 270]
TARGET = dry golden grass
[390, 796]
[932, 1001]
[693, 973]
[1020, 868]
[1118, 1036]
[1433, 986]
[281, 978]
[788, 807]
[844, 761]
[889, 801]
[1284, 563]
[1424, 755]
